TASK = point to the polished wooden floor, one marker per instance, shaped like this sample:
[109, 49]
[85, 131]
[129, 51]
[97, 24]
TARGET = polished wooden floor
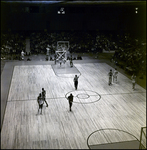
[96, 106]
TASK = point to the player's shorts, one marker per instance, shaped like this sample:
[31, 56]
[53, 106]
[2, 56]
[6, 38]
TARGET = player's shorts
[40, 106]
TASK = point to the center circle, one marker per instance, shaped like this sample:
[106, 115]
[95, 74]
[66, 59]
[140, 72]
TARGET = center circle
[83, 96]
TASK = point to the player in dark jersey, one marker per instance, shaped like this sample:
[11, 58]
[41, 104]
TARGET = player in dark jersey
[44, 96]
[70, 99]
[76, 81]
[110, 77]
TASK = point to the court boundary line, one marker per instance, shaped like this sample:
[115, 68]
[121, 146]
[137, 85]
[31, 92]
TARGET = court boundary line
[64, 73]
[103, 129]
[7, 96]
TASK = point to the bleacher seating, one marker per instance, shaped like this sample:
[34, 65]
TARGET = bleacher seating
[130, 51]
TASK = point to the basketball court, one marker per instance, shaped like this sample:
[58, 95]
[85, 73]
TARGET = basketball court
[96, 106]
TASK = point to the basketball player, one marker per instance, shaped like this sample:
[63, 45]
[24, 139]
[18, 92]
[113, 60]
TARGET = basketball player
[76, 81]
[22, 54]
[40, 102]
[110, 77]
[115, 74]
[71, 63]
[44, 96]
[133, 77]
[70, 100]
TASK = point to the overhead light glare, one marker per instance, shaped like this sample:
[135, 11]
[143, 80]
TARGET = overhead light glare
[61, 11]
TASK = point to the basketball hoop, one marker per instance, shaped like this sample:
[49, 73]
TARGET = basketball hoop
[61, 52]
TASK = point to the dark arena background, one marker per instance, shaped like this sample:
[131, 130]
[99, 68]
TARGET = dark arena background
[44, 44]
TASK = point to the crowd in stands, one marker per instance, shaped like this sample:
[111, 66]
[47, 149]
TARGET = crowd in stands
[80, 42]
[130, 51]
[131, 54]
[11, 45]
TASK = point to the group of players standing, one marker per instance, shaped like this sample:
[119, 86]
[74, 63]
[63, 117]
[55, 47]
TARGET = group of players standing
[114, 75]
[42, 96]
[41, 99]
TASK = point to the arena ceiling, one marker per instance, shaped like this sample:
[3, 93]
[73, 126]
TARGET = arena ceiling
[79, 15]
